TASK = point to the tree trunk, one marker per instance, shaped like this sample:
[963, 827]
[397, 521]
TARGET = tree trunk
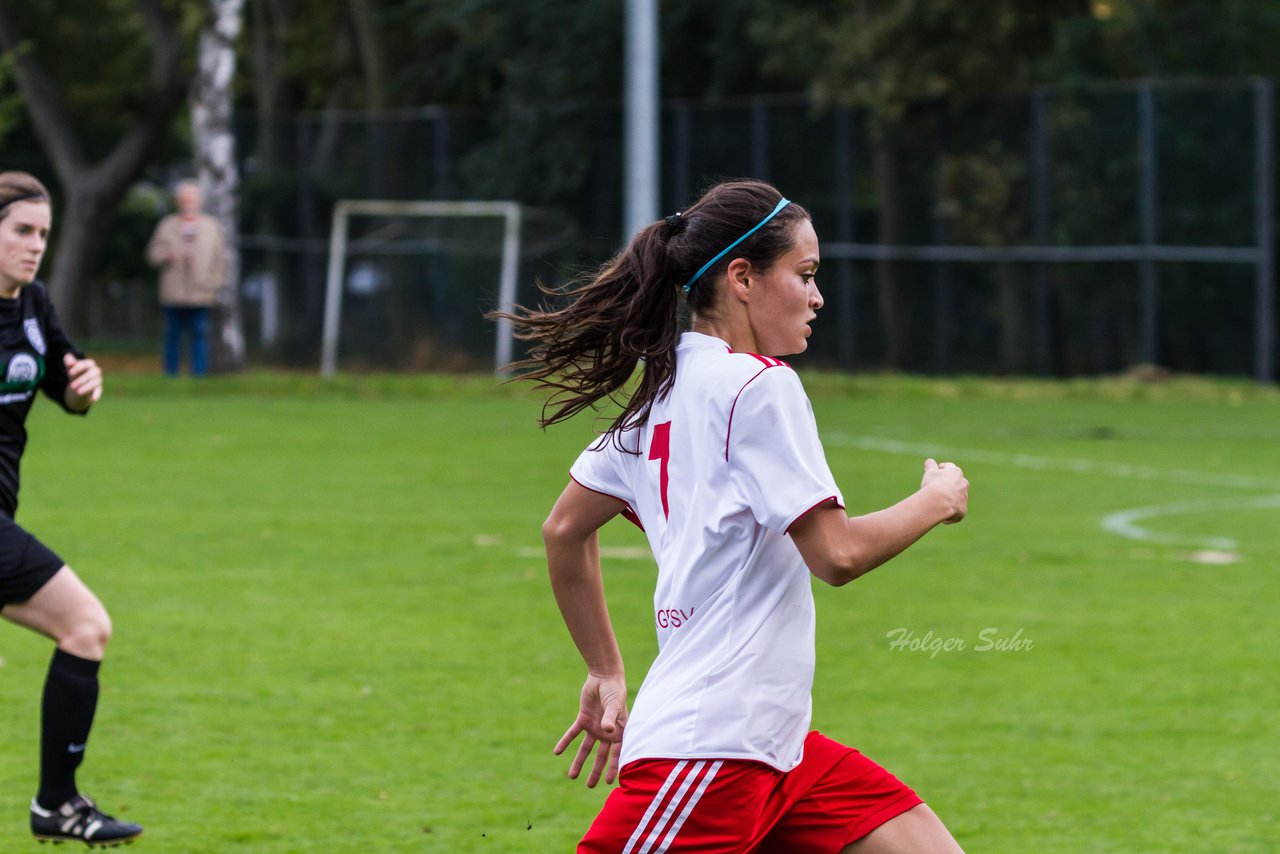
[369, 46]
[215, 153]
[83, 225]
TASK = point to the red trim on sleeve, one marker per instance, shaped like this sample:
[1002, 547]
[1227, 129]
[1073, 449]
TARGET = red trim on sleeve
[627, 513]
[834, 498]
[769, 360]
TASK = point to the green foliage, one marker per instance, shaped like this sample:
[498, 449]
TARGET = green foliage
[551, 72]
[10, 100]
[100, 62]
[333, 629]
[1128, 39]
[487, 51]
[313, 38]
[978, 194]
[711, 50]
[888, 55]
[881, 53]
[526, 52]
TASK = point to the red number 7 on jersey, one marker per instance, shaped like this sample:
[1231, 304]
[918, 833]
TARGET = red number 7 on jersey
[660, 449]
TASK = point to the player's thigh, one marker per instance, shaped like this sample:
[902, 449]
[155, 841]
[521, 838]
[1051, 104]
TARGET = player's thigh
[65, 610]
[917, 830]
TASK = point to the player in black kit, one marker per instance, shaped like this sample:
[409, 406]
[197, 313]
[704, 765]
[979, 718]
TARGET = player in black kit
[37, 589]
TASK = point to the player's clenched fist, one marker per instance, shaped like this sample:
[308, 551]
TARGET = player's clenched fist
[950, 484]
[84, 386]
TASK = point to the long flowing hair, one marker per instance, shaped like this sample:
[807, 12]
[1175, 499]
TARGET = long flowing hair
[609, 320]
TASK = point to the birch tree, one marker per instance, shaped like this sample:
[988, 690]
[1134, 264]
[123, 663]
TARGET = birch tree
[215, 155]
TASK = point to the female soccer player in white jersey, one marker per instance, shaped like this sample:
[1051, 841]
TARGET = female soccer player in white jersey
[37, 589]
[717, 457]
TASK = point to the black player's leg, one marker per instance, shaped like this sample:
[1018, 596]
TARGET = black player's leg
[65, 610]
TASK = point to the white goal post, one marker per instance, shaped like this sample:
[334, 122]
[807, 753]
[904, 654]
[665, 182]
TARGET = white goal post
[510, 212]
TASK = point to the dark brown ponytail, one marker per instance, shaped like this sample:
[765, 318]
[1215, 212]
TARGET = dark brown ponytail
[628, 309]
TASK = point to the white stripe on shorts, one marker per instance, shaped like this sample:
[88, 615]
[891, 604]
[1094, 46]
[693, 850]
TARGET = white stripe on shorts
[688, 807]
[686, 773]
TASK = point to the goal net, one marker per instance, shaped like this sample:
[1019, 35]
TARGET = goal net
[409, 282]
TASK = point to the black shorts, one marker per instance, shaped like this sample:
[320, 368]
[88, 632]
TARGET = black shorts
[26, 564]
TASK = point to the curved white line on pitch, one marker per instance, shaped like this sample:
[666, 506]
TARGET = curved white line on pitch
[1074, 465]
[1124, 522]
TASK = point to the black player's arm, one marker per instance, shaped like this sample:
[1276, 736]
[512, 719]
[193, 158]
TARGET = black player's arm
[58, 384]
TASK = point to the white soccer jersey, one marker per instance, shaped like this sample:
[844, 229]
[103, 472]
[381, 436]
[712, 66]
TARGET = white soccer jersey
[726, 463]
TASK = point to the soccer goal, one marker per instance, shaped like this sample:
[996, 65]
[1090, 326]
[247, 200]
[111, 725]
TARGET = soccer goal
[339, 244]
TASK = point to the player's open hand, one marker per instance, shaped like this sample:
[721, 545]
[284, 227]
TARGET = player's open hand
[84, 387]
[602, 716]
[949, 482]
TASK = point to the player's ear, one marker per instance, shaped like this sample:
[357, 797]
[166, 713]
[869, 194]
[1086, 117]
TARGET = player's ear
[738, 279]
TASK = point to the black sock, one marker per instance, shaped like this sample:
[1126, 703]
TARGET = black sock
[70, 699]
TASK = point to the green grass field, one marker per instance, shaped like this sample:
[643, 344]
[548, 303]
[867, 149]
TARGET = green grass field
[334, 631]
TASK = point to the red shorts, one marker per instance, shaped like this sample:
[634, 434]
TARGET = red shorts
[833, 797]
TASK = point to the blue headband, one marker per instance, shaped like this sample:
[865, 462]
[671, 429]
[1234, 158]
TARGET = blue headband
[707, 266]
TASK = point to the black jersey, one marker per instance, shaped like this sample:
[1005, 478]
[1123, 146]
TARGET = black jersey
[32, 345]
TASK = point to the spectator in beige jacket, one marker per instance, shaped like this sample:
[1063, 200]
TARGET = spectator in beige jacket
[189, 248]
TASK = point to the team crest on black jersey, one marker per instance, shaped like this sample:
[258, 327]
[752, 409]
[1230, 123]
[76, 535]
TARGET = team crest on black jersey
[32, 327]
[23, 369]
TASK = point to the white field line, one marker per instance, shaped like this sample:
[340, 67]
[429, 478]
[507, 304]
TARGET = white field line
[1122, 522]
[1075, 465]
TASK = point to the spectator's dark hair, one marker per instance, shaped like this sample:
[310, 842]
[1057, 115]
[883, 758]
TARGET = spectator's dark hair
[20, 187]
[628, 309]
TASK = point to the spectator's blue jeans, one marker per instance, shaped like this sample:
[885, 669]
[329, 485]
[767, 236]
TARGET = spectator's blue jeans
[192, 321]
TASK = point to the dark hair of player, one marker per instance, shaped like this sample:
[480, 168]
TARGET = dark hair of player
[20, 187]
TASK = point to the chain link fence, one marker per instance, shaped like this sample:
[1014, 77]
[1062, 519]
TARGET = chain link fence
[1065, 231]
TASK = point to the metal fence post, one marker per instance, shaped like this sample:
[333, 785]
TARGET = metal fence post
[1040, 218]
[844, 233]
[642, 116]
[681, 175]
[759, 139]
[1147, 167]
[440, 153]
[943, 321]
[1265, 183]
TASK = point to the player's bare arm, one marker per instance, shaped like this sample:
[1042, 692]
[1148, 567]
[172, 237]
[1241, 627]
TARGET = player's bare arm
[838, 548]
[573, 561]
